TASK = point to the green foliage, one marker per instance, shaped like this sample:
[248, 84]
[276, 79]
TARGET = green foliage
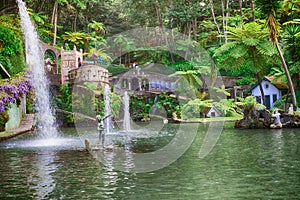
[167, 104]
[11, 22]
[11, 51]
[292, 40]
[64, 99]
[10, 44]
[228, 107]
[3, 119]
[220, 93]
[115, 104]
[115, 70]
[247, 45]
[76, 37]
[30, 102]
[249, 102]
[139, 107]
[245, 81]
[279, 103]
[194, 108]
[183, 65]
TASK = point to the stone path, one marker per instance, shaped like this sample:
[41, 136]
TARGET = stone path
[26, 125]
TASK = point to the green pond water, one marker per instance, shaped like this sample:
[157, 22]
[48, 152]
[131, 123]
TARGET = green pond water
[244, 164]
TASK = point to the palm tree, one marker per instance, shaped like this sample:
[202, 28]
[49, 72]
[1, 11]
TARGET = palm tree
[190, 80]
[77, 38]
[270, 8]
[291, 38]
[247, 44]
[98, 27]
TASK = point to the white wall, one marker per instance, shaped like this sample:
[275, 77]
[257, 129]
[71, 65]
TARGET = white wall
[268, 90]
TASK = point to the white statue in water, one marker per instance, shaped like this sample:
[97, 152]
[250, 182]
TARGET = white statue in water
[100, 128]
[277, 122]
[291, 110]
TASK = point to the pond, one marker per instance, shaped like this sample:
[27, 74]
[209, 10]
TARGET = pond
[244, 164]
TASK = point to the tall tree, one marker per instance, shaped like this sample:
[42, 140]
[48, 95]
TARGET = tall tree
[270, 9]
[247, 43]
[211, 3]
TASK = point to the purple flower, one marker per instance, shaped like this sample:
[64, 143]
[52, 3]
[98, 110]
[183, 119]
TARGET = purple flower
[16, 95]
[4, 100]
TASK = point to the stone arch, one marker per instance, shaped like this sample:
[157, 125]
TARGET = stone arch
[135, 84]
[53, 51]
[54, 73]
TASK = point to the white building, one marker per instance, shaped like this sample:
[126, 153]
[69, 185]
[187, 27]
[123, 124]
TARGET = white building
[272, 91]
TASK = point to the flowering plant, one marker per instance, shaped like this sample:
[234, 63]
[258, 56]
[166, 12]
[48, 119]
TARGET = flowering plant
[11, 90]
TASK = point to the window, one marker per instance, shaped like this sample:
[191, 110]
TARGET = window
[124, 83]
[274, 98]
[258, 99]
[267, 86]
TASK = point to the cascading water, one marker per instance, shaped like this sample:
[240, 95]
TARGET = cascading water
[34, 59]
[108, 120]
[126, 121]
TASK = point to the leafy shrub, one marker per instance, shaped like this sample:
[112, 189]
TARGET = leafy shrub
[194, 108]
[228, 107]
[169, 104]
[3, 119]
[245, 81]
[183, 65]
[11, 51]
[115, 70]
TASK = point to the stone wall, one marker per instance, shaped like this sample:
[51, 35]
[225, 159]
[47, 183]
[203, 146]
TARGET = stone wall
[15, 115]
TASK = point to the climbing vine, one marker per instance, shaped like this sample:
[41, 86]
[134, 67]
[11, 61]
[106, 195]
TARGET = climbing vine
[11, 90]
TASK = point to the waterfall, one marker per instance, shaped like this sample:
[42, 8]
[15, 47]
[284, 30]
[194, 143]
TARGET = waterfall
[108, 120]
[126, 121]
[45, 125]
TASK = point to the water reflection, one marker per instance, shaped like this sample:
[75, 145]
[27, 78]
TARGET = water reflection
[42, 182]
[247, 164]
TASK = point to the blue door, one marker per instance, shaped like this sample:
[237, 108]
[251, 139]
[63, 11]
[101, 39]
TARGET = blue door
[268, 101]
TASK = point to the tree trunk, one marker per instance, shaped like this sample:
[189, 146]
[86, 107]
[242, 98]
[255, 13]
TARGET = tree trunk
[54, 22]
[258, 77]
[223, 21]
[121, 56]
[252, 8]
[290, 83]
[195, 28]
[189, 41]
[215, 20]
[241, 8]
[87, 18]
[75, 22]
[163, 30]
[261, 89]
[226, 20]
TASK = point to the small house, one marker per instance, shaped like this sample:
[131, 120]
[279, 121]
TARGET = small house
[272, 90]
[212, 112]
